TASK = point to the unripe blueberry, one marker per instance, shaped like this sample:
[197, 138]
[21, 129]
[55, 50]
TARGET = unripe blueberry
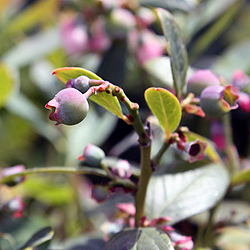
[122, 169]
[92, 155]
[80, 83]
[216, 101]
[69, 107]
[196, 150]
[200, 80]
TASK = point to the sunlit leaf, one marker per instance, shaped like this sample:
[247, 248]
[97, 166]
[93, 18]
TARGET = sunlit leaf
[7, 83]
[182, 195]
[166, 107]
[42, 236]
[139, 238]
[176, 49]
[107, 101]
[210, 152]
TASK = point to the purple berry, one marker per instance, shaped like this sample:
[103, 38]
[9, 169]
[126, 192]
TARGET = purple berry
[80, 83]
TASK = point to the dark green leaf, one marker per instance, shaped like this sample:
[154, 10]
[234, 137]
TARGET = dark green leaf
[166, 107]
[141, 238]
[39, 238]
[176, 49]
[182, 195]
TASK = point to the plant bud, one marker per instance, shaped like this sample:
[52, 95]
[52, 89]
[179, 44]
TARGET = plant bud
[196, 150]
[69, 107]
[122, 169]
[11, 171]
[92, 155]
[80, 83]
[216, 101]
[200, 80]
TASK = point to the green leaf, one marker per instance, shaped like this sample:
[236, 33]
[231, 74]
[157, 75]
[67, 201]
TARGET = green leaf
[42, 236]
[176, 49]
[241, 177]
[107, 101]
[183, 5]
[139, 238]
[7, 83]
[166, 107]
[183, 195]
[210, 152]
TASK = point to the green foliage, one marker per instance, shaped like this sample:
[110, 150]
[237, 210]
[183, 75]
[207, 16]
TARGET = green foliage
[140, 238]
[166, 107]
[176, 49]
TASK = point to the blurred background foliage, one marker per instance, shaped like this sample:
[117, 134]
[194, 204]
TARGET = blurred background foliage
[32, 44]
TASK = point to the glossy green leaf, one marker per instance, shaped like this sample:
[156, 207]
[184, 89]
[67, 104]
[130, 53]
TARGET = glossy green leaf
[107, 101]
[166, 107]
[139, 238]
[7, 83]
[42, 236]
[176, 49]
[183, 195]
[210, 152]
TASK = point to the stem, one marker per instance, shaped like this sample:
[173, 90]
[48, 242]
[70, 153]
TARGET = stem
[208, 232]
[158, 156]
[146, 171]
[56, 170]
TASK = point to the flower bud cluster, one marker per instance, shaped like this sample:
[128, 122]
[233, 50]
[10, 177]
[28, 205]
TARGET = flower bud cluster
[195, 149]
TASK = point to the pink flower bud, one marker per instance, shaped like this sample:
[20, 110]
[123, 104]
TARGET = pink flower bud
[196, 150]
[216, 101]
[74, 38]
[11, 171]
[200, 80]
[151, 47]
[122, 169]
[240, 79]
[92, 155]
[69, 107]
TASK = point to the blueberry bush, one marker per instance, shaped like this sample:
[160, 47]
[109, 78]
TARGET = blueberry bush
[151, 104]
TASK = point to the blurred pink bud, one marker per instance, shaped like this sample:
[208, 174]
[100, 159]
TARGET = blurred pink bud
[200, 80]
[74, 37]
[69, 107]
[92, 155]
[128, 208]
[16, 206]
[151, 47]
[119, 23]
[122, 169]
[98, 39]
[11, 171]
[196, 150]
[218, 135]
[181, 242]
[216, 101]
[240, 79]
[194, 109]
[244, 102]
[146, 17]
